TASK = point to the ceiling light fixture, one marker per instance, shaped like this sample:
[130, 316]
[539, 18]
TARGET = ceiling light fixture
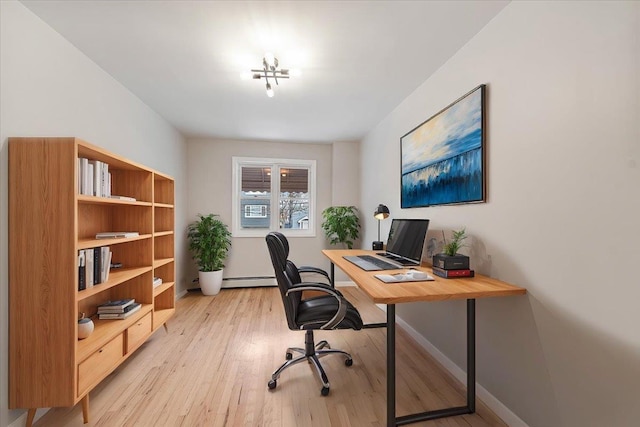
[270, 70]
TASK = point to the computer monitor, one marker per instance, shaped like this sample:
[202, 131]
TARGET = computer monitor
[406, 238]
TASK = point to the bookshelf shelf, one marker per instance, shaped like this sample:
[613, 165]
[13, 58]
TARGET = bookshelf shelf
[163, 205]
[160, 262]
[94, 243]
[116, 277]
[52, 224]
[160, 289]
[83, 198]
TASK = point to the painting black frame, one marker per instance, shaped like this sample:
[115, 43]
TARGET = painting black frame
[446, 179]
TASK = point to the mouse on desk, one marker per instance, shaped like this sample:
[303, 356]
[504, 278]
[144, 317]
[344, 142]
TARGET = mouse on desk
[416, 275]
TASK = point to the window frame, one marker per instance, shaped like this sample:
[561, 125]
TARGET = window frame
[276, 164]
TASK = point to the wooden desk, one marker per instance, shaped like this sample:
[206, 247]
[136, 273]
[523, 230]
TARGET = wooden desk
[438, 290]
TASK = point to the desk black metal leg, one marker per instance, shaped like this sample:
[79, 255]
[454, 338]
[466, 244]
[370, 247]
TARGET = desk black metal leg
[332, 273]
[391, 365]
[470, 408]
[471, 355]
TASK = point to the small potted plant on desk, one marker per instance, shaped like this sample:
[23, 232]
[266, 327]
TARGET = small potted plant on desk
[450, 263]
[209, 243]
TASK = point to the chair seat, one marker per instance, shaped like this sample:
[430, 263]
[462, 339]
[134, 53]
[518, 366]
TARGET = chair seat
[315, 312]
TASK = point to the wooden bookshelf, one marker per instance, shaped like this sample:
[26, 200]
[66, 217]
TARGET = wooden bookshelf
[49, 223]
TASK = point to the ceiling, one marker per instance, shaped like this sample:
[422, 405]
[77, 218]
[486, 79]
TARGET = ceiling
[184, 59]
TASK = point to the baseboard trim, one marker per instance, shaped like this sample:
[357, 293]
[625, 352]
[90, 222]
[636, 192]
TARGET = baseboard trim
[505, 414]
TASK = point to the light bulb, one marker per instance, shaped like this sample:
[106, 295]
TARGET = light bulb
[269, 90]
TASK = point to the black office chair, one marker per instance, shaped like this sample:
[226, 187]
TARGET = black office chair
[322, 312]
[303, 271]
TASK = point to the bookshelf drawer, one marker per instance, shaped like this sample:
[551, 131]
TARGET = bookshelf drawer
[100, 364]
[138, 332]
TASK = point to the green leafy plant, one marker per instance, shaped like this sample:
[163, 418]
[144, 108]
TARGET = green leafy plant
[341, 224]
[456, 242]
[209, 242]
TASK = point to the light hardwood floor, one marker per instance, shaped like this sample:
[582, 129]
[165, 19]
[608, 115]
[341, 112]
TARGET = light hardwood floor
[212, 368]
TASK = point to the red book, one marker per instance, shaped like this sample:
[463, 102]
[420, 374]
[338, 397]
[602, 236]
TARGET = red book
[447, 274]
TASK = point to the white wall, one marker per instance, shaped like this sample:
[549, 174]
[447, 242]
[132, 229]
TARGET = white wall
[49, 88]
[562, 213]
[210, 185]
[345, 185]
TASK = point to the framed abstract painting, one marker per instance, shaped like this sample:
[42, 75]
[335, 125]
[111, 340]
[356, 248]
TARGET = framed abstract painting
[443, 159]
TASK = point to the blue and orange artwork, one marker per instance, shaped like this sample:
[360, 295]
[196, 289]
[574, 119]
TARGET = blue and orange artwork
[442, 159]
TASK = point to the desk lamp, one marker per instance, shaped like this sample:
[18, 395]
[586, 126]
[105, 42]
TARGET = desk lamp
[382, 212]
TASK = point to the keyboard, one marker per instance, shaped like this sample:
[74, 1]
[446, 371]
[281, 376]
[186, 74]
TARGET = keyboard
[371, 263]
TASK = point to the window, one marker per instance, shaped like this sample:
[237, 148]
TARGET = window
[273, 194]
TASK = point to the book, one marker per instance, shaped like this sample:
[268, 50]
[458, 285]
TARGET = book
[127, 198]
[97, 266]
[116, 305]
[89, 179]
[106, 263]
[88, 255]
[157, 281]
[409, 276]
[96, 166]
[448, 274]
[84, 171]
[116, 234]
[82, 284]
[130, 310]
[79, 174]
[104, 180]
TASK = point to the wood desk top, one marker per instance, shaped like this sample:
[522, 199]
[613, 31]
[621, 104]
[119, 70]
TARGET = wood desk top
[438, 290]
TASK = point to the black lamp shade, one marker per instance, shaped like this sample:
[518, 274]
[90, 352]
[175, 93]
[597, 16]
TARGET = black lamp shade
[382, 212]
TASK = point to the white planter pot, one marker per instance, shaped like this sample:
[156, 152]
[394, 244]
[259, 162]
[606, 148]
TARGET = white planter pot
[210, 282]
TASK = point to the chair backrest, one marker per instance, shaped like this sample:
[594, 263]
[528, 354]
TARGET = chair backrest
[286, 275]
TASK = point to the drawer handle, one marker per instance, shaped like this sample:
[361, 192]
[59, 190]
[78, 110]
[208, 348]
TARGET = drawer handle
[101, 350]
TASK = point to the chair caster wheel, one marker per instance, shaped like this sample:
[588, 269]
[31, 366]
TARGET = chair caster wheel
[288, 356]
[348, 362]
[325, 391]
[272, 384]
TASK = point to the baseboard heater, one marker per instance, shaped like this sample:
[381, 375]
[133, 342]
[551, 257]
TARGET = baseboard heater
[248, 282]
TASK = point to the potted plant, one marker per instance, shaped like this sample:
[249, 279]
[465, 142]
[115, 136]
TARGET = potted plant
[450, 259]
[341, 225]
[209, 243]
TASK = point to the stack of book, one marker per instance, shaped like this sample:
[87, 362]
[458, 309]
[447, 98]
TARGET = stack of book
[120, 309]
[458, 272]
[157, 281]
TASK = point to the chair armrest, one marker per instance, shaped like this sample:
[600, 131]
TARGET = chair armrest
[307, 270]
[315, 286]
[310, 269]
